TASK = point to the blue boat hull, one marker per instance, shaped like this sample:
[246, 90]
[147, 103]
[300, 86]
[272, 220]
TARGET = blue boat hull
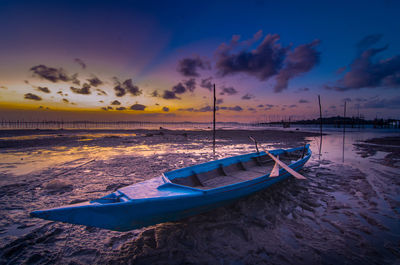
[167, 201]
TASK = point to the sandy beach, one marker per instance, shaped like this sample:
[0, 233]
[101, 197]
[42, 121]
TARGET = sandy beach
[345, 212]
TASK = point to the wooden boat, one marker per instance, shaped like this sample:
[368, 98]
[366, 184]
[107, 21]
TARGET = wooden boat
[183, 192]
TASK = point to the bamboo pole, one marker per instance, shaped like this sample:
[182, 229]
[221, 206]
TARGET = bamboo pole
[320, 125]
[215, 109]
[320, 114]
[344, 130]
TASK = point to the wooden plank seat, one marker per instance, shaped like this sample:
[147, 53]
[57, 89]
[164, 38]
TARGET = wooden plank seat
[234, 173]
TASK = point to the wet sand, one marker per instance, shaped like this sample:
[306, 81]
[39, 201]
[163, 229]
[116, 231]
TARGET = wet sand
[343, 213]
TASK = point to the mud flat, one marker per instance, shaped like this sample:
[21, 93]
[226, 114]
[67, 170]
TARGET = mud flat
[343, 213]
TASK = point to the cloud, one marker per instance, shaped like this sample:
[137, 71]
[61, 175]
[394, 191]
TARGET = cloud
[293, 106]
[179, 88]
[302, 89]
[32, 97]
[155, 94]
[169, 95]
[392, 103]
[115, 102]
[367, 72]
[301, 60]
[131, 88]
[3, 87]
[184, 86]
[263, 62]
[236, 108]
[268, 106]
[43, 89]
[206, 83]
[206, 109]
[228, 90]
[101, 92]
[190, 84]
[120, 108]
[166, 109]
[65, 100]
[53, 74]
[84, 90]
[137, 107]
[187, 109]
[368, 41]
[302, 101]
[94, 81]
[80, 62]
[219, 101]
[252, 109]
[121, 89]
[107, 108]
[189, 66]
[247, 96]
[268, 59]
[203, 109]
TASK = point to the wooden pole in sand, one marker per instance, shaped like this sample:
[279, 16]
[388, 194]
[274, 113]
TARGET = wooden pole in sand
[320, 125]
[215, 109]
[320, 114]
[344, 130]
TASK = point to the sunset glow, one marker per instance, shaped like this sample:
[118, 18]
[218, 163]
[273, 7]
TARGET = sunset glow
[157, 62]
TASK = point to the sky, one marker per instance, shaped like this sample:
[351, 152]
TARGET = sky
[158, 60]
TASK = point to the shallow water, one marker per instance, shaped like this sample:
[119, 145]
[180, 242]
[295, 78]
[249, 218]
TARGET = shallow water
[347, 211]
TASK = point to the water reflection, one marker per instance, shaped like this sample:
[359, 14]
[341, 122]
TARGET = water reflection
[17, 162]
[338, 145]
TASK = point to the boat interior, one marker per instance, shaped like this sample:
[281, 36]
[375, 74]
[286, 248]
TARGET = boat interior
[240, 171]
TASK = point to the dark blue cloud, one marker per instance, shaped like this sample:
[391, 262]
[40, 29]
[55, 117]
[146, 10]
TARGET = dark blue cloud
[190, 66]
[392, 103]
[268, 59]
[137, 106]
[84, 90]
[43, 89]
[54, 74]
[368, 41]
[32, 97]
[367, 72]
[95, 81]
[228, 90]
[247, 96]
[121, 89]
[206, 83]
[179, 88]
[169, 95]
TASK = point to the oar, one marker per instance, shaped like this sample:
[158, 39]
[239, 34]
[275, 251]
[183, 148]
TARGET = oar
[275, 170]
[283, 165]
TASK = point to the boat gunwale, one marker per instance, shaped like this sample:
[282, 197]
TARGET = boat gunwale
[229, 187]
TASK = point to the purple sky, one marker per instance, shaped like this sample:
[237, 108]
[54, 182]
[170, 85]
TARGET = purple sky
[127, 60]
